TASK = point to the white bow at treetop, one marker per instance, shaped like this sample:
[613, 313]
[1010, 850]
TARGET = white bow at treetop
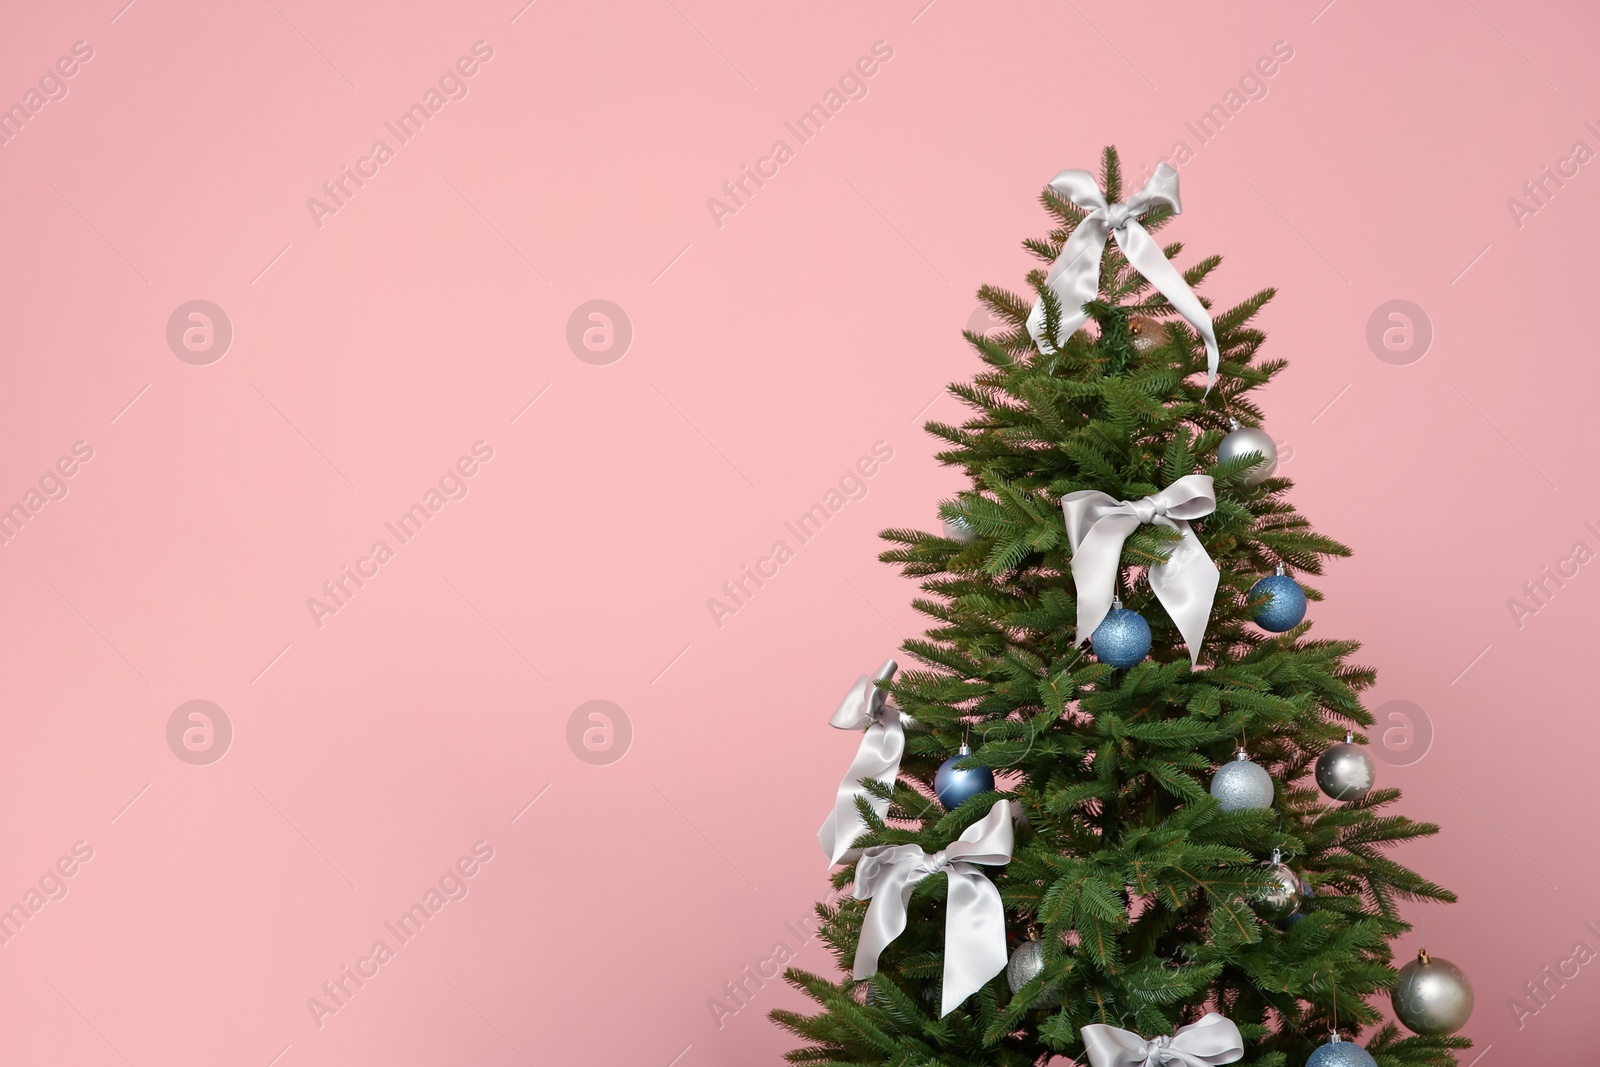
[1075, 275]
[975, 918]
[1186, 584]
[877, 758]
[1211, 1041]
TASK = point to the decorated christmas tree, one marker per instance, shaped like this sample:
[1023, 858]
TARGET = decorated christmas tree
[1118, 808]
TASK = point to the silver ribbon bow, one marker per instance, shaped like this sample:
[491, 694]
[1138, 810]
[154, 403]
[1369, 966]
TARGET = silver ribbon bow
[975, 919]
[1186, 585]
[1075, 275]
[878, 757]
[1212, 1040]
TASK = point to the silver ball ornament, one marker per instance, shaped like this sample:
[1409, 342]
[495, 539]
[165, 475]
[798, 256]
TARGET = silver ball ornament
[1241, 784]
[1432, 996]
[1244, 440]
[958, 529]
[1340, 1053]
[1346, 771]
[1026, 964]
[1282, 899]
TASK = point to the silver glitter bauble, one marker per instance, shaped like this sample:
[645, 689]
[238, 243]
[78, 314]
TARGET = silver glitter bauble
[1340, 1053]
[1026, 964]
[1433, 996]
[1346, 771]
[957, 529]
[1242, 784]
[1242, 442]
[1283, 899]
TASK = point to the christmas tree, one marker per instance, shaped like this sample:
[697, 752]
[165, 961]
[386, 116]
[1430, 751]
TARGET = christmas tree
[1133, 897]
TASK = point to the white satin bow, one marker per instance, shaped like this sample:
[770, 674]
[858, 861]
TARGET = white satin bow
[1211, 1041]
[1186, 585]
[878, 757]
[975, 918]
[1075, 275]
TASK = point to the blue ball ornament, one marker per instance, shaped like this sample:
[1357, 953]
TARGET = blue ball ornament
[1122, 639]
[1286, 602]
[1338, 1053]
[952, 785]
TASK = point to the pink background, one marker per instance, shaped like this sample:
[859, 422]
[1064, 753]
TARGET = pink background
[371, 752]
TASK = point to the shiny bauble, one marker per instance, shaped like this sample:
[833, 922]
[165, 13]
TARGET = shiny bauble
[1340, 1053]
[1122, 639]
[1244, 440]
[1285, 603]
[958, 529]
[1346, 771]
[1432, 996]
[1241, 785]
[1026, 964]
[1307, 894]
[952, 786]
[1147, 333]
[1281, 900]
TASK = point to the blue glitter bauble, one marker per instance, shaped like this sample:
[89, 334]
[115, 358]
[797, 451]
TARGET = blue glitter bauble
[1341, 1054]
[1286, 607]
[952, 786]
[1122, 639]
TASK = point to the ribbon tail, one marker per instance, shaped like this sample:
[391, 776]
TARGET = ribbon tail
[1094, 570]
[974, 936]
[1075, 280]
[1108, 1046]
[1186, 585]
[888, 881]
[1147, 258]
[878, 758]
[1212, 1041]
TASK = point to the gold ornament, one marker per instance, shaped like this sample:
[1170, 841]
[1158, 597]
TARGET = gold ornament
[1147, 333]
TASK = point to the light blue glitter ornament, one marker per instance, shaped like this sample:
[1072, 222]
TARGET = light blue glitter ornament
[952, 786]
[1122, 639]
[1242, 785]
[1286, 603]
[1340, 1053]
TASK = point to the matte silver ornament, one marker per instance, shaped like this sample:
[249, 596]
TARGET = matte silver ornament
[1244, 440]
[1433, 996]
[1241, 784]
[1283, 899]
[1346, 771]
